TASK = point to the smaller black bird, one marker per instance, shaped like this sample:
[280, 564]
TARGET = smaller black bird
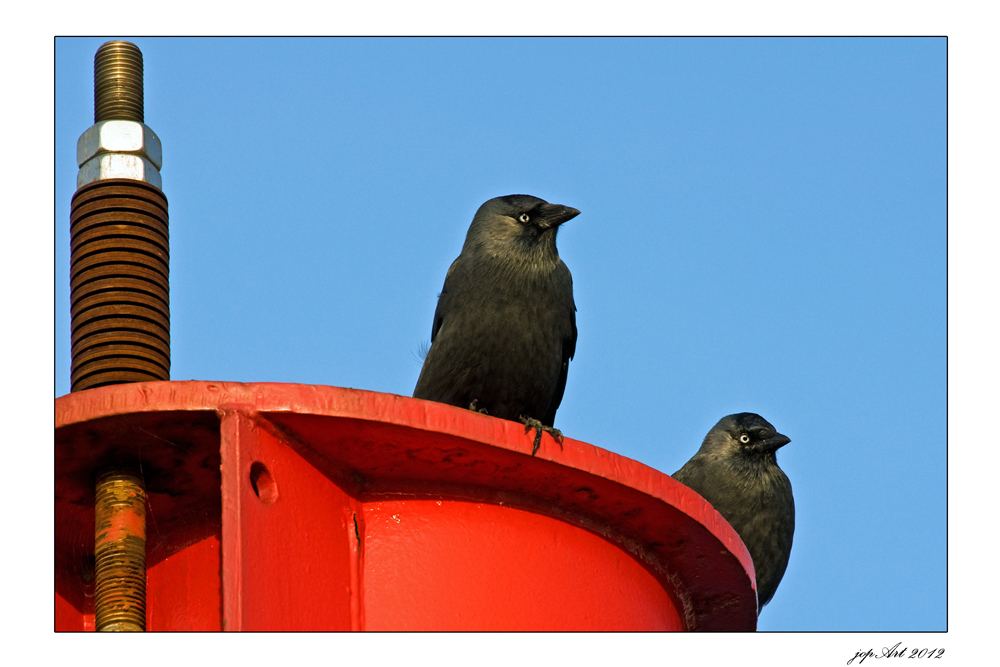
[736, 470]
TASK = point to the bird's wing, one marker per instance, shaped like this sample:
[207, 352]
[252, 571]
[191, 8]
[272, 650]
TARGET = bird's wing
[569, 346]
[568, 350]
[442, 304]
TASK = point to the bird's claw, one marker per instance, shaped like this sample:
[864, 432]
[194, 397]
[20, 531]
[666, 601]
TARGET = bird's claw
[472, 406]
[530, 423]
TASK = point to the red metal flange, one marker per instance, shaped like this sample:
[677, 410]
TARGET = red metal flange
[301, 507]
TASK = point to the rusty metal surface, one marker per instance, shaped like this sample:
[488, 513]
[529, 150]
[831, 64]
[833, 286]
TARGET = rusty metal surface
[96, 315]
[119, 272]
[155, 349]
[118, 93]
[120, 552]
[113, 302]
[152, 242]
[152, 202]
[137, 286]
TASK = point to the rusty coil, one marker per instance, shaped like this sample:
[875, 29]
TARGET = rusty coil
[120, 552]
[118, 82]
[119, 293]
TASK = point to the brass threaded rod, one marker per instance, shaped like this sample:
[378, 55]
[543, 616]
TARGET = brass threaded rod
[120, 313]
[118, 82]
[120, 552]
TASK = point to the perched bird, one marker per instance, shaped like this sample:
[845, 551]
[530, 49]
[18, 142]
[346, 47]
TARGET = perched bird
[505, 325]
[736, 470]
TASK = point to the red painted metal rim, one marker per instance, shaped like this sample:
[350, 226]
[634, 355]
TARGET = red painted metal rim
[276, 399]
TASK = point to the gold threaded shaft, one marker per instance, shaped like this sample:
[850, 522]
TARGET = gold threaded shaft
[120, 551]
[118, 82]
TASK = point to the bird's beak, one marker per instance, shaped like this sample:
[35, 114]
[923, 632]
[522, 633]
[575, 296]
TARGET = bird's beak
[554, 215]
[775, 442]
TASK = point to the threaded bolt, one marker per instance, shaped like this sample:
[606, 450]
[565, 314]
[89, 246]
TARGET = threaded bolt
[120, 552]
[118, 82]
[120, 315]
[120, 259]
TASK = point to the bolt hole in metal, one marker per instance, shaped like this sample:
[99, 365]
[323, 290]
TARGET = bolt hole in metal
[263, 483]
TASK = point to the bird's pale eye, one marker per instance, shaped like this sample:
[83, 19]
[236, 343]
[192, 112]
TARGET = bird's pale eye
[744, 438]
[524, 217]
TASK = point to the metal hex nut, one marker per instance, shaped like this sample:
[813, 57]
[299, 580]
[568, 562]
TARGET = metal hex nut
[116, 165]
[119, 136]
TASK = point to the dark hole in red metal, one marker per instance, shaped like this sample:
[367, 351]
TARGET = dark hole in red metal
[263, 484]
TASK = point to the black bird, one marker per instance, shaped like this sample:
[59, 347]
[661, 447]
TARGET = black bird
[736, 470]
[505, 325]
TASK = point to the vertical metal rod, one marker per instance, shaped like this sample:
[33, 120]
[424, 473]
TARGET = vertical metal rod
[120, 308]
[119, 238]
[120, 552]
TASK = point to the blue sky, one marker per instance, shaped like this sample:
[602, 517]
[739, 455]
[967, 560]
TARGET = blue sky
[762, 228]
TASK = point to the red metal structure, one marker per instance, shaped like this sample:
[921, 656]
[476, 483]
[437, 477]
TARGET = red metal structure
[301, 507]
